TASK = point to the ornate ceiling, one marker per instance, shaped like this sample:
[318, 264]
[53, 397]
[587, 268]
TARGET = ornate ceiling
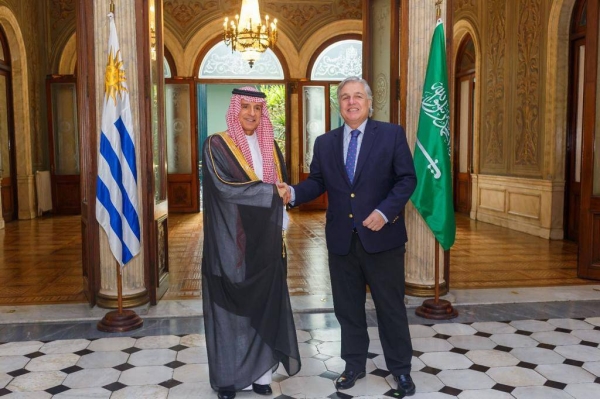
[297, 19]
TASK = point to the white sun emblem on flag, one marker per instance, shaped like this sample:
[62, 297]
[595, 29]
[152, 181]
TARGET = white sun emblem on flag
[114, 76]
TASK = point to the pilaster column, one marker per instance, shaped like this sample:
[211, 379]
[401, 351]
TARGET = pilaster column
[26, 194]
[420, 249]
[134, 289]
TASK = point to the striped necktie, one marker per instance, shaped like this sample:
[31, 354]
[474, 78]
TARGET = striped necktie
[351, 154]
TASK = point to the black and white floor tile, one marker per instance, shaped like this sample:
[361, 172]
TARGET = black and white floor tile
[525, 359]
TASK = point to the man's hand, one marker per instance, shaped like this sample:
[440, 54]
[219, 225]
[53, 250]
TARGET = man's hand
[284, 192]
[374, 222]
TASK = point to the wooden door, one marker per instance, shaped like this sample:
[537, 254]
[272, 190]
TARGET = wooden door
[8, 171]
[589, 228]
[63, 141]
[463, 127]
[314, 118]
[154, 147]
[182, 145]
[574, 141]
[463, 143]
[575, 122]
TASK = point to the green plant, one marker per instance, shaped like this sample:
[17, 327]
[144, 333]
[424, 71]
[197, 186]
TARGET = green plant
[276, 106]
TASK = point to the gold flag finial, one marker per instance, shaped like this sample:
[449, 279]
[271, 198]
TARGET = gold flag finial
[112, 6]
[438, 9]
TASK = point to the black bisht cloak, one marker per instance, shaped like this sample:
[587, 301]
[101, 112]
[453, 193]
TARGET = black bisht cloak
[248, 319]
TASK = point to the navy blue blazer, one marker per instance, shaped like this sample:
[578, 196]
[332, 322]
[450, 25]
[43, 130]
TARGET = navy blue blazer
[384, 179]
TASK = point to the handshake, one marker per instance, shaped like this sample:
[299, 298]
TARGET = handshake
[284, 192]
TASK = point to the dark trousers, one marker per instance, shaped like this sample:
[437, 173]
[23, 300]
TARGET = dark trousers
[384, 273]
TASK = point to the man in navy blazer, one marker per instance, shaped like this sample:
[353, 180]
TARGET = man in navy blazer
[367, 170]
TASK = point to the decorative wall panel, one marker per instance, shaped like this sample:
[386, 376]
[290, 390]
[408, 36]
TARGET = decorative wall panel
[492, 199]
[519, 203]
[525, 205]
[493, 155]
[513, 45]
[527, 117]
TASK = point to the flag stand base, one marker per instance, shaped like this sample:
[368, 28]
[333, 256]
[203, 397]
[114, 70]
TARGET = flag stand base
[440, 310]
[120, 320]
[436, 309]
[114, 321]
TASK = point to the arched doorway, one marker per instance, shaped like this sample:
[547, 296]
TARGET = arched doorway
[463, 132]
[8, 183]
[334, 61]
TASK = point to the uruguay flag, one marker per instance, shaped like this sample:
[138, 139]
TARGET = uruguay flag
[117, 208]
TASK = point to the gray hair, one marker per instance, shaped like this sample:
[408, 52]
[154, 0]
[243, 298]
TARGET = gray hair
[365, 85]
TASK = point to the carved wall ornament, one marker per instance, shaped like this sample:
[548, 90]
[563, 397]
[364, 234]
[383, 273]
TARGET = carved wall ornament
[62, 10]
[494, 75]
[460, 5]
[350, 9]
[184, 11]
[528, 83]
[298, 16]
[380, 92]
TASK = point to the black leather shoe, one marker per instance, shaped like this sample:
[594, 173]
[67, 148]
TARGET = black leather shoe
[348, 378]
[223, 394]
[405, 384]
[262, 389]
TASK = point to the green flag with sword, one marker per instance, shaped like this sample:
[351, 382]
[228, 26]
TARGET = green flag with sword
[433, 194]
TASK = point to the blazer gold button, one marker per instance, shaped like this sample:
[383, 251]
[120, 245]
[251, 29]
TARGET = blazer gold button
[352, 195]
[350, 215]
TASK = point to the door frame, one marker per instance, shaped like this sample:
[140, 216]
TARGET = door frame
[572, 206]
[319, 203]
[183, 180]
[152, 116]
[5, 70]
[60, 183]
[459, 180]
[88, 144]
[589, 228]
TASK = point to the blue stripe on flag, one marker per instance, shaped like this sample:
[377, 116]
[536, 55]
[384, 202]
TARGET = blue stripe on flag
[103, 195]
[127, 146]
[116, 160]
[129, 211]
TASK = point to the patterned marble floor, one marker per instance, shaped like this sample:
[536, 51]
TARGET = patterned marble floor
[475, 357]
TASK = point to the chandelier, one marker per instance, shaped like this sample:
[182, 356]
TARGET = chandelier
[247, 34]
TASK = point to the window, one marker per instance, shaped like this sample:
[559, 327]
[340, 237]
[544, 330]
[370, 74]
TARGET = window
[339, 61]
[221, 63]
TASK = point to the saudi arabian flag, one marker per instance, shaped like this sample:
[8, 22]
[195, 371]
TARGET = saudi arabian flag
[433, 195]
